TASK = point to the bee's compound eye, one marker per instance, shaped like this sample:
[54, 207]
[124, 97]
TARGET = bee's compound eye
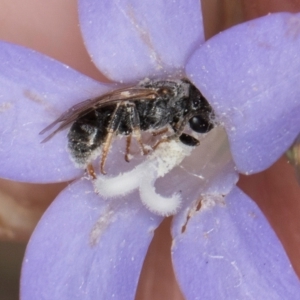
[199, 124]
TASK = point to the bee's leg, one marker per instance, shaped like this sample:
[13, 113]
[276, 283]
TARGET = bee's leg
[128, 143]
[167, 139]
[174, 136]
[138, 137]
[133, 122]
[158, 132]
[91, 171]
[112, 127]
[105, 149]
[183, 138]
[137, 130]
[129, 120]
[178, 132]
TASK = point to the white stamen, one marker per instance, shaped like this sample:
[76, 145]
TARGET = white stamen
[167, 156]
[156, 203]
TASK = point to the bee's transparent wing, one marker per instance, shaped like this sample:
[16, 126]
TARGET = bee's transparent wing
[69, 114]
[87, 106]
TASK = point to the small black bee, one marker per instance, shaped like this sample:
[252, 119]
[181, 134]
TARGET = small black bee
[153, 105]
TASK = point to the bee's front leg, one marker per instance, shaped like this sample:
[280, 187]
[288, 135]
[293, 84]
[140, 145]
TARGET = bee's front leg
[133, 123]
[91, 171]
[128, 143]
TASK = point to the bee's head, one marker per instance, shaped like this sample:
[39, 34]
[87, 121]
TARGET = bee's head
[201, 111]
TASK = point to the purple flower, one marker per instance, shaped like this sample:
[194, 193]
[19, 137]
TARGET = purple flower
[86, 247]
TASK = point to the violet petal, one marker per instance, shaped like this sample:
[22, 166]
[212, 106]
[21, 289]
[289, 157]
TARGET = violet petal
[87, 248]
[250, 75]
[34, 91]
[130, 40]
[229, 251]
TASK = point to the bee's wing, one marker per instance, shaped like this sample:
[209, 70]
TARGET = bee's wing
[70, 114]
[87, 106]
